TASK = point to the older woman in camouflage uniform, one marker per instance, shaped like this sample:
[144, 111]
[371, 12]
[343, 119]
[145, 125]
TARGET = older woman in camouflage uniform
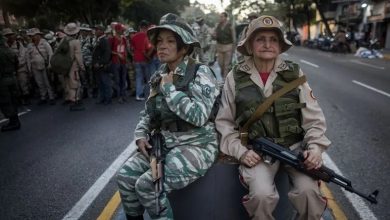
[180, 103]
[294, 120]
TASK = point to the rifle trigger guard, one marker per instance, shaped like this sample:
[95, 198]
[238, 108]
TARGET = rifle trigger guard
[268, 159]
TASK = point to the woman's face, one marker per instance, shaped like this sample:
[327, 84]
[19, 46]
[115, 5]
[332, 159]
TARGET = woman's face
[167, 47]
[265, 45]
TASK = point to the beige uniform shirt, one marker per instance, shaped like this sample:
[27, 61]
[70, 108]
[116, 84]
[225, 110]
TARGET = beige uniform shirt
[38, 55]
[313, 121]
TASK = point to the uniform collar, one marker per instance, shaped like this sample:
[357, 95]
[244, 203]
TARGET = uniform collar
[248, 65]
[180, 69]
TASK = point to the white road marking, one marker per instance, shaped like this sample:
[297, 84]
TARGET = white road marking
[20, 114]
[82, 205]
[372, 88]
[308, 63]
[367, 64]
[357, 202]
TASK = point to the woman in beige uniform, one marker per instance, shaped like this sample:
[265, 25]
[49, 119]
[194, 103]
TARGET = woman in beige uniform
[294, 120]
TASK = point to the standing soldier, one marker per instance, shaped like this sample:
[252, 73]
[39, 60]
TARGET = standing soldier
[224, 34]
[118, 62]
[130, 61]
[22, 73]
[72, 80]
[39, 53]
[8, 86]
[202, 33]
[87, 43]
[101, 58]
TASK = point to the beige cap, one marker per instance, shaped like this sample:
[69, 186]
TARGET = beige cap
[7, 31]
[34, 31]
[71, 29]
[264, 22]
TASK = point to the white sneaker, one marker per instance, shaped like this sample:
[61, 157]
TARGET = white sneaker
[139, 98]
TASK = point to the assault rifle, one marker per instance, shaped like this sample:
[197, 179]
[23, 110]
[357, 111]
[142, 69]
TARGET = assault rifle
[270, 152]
[157, 166]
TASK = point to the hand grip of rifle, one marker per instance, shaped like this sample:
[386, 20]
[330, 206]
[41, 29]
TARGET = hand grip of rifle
[265, 147]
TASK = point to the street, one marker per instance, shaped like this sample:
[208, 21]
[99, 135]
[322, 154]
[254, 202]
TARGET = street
[48, 165]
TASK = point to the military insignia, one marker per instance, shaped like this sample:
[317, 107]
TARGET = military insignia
[206, 91]
[267, 21]
[282, 66]
[245, 67]
[312, 95]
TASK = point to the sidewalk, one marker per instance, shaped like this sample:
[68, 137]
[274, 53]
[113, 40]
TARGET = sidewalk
[386, 54]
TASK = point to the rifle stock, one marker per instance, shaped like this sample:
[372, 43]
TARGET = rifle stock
[267, 148]
[157, 167]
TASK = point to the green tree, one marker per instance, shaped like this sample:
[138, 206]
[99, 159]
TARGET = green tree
[151, 10]
[48, 14]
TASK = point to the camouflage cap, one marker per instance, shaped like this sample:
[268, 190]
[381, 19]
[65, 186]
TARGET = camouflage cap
[264, 22]
[176, 24]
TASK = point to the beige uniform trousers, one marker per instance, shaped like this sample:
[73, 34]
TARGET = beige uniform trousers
[23, 81]
[225, 53]
[43, 83]
[263, 196]
[72, 86]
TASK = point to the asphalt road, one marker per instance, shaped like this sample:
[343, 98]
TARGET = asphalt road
[358, 120]
[49, 164]
[57, 156]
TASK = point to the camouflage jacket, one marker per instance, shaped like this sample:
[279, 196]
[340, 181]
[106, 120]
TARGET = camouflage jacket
[20, 51]
[194, 110]
[87, 45]
[203, 34]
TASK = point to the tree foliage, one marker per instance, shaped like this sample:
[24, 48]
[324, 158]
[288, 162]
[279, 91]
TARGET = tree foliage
[48, 14]
[151, 10]
[51, 13]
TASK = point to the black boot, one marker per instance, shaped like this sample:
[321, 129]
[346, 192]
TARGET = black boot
[26, 100]
[13, 124]
[76, 106]
[129, 217]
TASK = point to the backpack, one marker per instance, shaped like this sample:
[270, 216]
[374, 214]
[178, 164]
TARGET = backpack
[61, 61]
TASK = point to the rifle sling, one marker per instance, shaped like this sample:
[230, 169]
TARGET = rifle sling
[265, 105]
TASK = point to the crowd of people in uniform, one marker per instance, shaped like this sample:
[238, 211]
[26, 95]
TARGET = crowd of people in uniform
[109, 62]
[180, 103]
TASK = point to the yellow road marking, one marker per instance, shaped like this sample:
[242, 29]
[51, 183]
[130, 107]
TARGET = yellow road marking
[110, 208]
[335, 209]
[337, 212]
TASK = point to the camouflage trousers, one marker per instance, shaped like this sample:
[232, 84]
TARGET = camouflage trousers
[183, 165]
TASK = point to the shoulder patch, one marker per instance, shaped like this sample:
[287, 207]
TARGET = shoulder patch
[283, 66]
[206, 91]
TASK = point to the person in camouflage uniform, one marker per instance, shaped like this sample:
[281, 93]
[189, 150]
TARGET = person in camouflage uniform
[202, 32]
[87, 44]
[8, 86]
[179, 105]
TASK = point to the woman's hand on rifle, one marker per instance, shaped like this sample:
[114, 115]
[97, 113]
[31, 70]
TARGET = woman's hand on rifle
[313, 158]
[250, 158]
[143, 146]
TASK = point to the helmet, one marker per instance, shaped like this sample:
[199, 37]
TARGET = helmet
[264, 22]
